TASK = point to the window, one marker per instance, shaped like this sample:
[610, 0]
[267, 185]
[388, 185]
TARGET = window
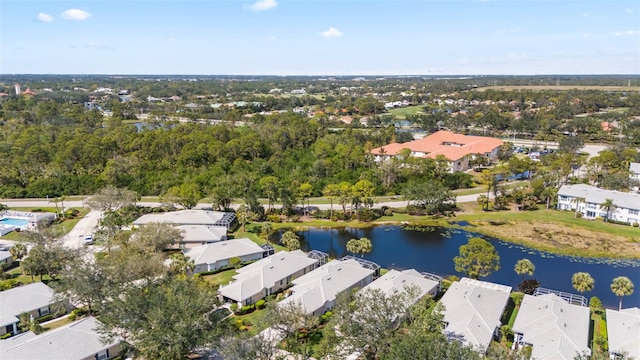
[102, 355]
[633, 212]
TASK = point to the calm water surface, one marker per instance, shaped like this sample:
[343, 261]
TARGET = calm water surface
[433, 252]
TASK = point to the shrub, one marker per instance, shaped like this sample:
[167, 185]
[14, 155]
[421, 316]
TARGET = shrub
[72, 316]
[294, 218]
[325, 317]
[9, 284]
[274, 218]
[234, 307]
[529, 286]
[5, 336]
[595, 304]
[44, 318]
[36, 210]
[260, 304]
[635, 225]
[247, 309]
[416, 210]
[388, 212]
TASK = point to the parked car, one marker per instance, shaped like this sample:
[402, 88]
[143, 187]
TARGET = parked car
[88, 239]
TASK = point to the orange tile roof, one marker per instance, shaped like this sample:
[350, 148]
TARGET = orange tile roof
[433, 145]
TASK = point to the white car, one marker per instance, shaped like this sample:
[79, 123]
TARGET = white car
[88, 239]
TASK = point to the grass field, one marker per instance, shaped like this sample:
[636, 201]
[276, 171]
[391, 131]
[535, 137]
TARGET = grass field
[559, 88]
[401, 113]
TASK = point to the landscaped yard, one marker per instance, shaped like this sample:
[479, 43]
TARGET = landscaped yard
[221, 278]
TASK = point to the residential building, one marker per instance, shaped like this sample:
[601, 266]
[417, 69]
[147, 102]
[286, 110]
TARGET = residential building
[317, 290]
[35, 299]
[196, 235]
[6, 259]
[459, 150]
[554, 324]
[190, 217]
[473, 310]
[415, 284]
[634, 176]
[589, 202]
[75, 341]
[217, 255]
[395, 281]
[270, 275]
[623, 330]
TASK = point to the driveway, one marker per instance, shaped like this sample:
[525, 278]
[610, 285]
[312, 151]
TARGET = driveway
[86, 226]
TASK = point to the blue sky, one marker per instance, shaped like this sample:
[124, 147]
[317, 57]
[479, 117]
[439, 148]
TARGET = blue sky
[320, 37]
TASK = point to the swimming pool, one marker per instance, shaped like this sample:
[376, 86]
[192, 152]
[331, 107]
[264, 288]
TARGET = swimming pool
[14, 222]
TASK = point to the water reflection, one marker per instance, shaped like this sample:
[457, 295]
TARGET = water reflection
[433, 251]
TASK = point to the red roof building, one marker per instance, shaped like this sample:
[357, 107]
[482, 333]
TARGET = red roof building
[457, 148]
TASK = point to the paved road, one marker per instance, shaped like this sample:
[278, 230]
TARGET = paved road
[86, 226]
[45, 203]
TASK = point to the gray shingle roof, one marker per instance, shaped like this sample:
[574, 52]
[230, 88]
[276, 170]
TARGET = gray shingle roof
[264, 273]
[598, 196]
[473, 309]
[556, 329]
[395, 281]
[14, 302]
[623, 329]
[202, 233]
[211, 253]
[188, 217]
[321, 286]
[75, 341]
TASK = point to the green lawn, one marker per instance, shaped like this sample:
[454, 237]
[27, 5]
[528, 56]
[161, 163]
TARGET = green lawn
[560, 217]
[15, 274]
[401, 113]
[57, 323]
[221, 278]
[255, 319]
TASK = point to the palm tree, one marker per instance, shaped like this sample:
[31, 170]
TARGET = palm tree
[180, 264]
[266, 231]
[608, 204]
[290, 240]
[365, 246]
[359, 246]
[622, 286]
[582, 282]
[18, 251]
[524, 266]
[577, 200]
[353, 246]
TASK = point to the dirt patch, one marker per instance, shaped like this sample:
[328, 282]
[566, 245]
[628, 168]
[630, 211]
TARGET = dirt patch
[557, 238]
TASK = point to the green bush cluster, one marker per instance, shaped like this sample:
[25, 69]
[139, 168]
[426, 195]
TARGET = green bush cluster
[9, 284]
[274, 218]
[44, 318]
[261, 304]
[325, 317]
[5, 336]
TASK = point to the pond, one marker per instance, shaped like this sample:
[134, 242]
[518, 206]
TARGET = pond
[433, 251]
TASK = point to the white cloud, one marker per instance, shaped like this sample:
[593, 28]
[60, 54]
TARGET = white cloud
[586, 14]
[42, 17]
[262, 5]
[628, 32]
[75, 14]
[331, 33]
[628, 11]
[271, 38]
